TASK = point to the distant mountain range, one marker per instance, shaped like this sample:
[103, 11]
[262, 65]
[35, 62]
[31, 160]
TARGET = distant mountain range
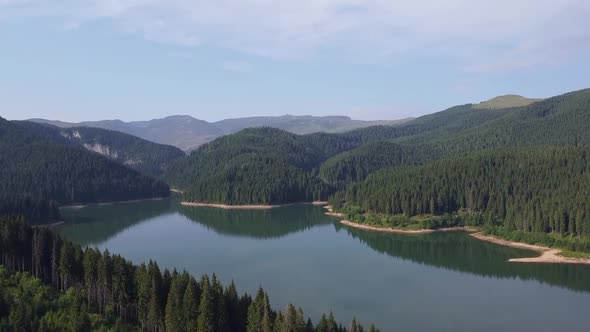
[188, 133]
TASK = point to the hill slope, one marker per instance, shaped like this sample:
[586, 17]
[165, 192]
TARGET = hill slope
[255, 163]
[144, 156]
[531, 189]
[37, 174]
[254, 166]
[561, 120]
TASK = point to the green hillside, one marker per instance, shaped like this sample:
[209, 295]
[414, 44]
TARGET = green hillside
[36, 175]
[540, 189]
[144, 156]
[260, 166]
[266, 165]
[561, 120]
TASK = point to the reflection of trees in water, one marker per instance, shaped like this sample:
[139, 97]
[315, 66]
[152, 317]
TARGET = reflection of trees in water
[259, 224]
[460, 252]
[95, 224]
[455, 251]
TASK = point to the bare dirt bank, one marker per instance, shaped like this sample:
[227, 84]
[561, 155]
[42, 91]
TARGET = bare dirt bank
[407, 231]
[247, 207]
[331, 212]
[547, 255]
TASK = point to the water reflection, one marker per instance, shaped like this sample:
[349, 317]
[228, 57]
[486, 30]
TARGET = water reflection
[95, 225]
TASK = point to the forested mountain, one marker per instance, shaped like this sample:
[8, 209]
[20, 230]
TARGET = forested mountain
[188, 133]
[144, 156]
[254, 166]
[560, 120]
[37, 175]
[356, 164]
[491, 181]
[458, 159]
[540, 189]
[124, 296]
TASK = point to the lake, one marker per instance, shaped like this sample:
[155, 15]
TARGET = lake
[440, 281]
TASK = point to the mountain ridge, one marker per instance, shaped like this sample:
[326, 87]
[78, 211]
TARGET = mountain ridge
[146, 157]
[188, 133]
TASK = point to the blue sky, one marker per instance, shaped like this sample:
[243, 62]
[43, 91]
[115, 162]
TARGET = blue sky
[372, 59]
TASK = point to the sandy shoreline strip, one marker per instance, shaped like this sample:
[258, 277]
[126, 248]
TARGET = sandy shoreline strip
[547, 255]
[407, 231]
[331, 212]
[248, 207]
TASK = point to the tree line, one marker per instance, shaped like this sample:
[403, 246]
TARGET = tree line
[251, 165]
[542, 190]
[37, 175]
[126, 294]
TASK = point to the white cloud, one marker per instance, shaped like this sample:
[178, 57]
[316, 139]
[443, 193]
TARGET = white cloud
[481, 35]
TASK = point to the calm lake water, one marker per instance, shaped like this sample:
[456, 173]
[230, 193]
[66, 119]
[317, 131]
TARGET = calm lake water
[435, 282]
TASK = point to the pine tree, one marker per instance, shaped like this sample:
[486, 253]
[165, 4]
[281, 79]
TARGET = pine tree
[255, 312]
[174, 306]
[206, 321]
[190, 305]
[154, 310]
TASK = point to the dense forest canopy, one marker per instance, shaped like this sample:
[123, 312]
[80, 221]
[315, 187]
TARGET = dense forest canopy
[37, 175]
[51, 284]
[148, 158]
[251, 166]
[261, 165]
[540, 189]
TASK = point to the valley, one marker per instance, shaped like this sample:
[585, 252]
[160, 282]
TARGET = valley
[510, 171]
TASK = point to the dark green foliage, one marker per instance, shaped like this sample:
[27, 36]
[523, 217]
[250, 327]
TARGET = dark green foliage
[266, 166]
[254, 166]
[561, 120]
[32, 306]
[539, 190]
[355, 165]
[147, 157]
[87, 282]
[37, 175]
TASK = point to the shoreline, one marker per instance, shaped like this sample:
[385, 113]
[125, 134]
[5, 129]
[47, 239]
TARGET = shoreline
[546, 255]
[331, 212]
[79, 206]
[409, 231]
[249, 206]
